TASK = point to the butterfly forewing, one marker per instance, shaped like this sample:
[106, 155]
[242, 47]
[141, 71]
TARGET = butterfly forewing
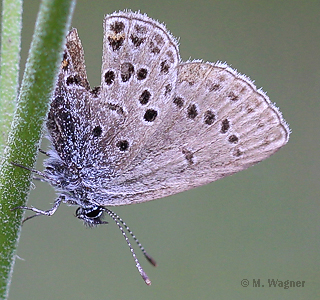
[139, 71]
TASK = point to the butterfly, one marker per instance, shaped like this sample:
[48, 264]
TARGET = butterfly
[156, 125]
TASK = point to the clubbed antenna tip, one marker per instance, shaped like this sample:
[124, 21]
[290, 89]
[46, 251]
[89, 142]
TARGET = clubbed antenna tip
[150, 259]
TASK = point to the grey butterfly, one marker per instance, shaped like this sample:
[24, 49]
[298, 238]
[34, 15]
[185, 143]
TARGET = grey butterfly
[156, 126]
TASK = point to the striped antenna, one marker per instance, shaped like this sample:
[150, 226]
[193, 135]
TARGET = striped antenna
[122, 224]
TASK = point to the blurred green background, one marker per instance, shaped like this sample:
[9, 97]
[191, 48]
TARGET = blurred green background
[262, 223]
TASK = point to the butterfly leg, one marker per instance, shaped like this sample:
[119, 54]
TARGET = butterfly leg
[43, 178]
[43, 152]
[39, 212]
[29, 169]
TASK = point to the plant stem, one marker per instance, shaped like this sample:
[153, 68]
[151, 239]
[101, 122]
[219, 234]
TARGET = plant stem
[45, 54]
[9, 65]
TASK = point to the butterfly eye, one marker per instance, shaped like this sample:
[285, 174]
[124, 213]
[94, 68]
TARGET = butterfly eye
[94, 213]
[91, 216]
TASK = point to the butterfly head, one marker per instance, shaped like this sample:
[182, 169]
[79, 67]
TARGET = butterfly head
[91, 215]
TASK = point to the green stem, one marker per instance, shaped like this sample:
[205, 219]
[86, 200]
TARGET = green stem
[9, 65]
[38, 81]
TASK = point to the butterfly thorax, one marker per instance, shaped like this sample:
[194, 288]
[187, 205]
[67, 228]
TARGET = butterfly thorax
[72, 179]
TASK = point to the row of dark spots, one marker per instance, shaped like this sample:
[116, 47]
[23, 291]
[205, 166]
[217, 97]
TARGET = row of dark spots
[216, 86]
[126, 72]
[192, 112]
[225, 126]
[116, 40]
[165, 65]
[209, 118]
[189, 156]
[151, 115]
[118, 27]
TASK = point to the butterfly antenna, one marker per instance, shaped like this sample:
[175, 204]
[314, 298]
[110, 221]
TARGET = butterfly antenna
[147, 256]
[118, 221]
